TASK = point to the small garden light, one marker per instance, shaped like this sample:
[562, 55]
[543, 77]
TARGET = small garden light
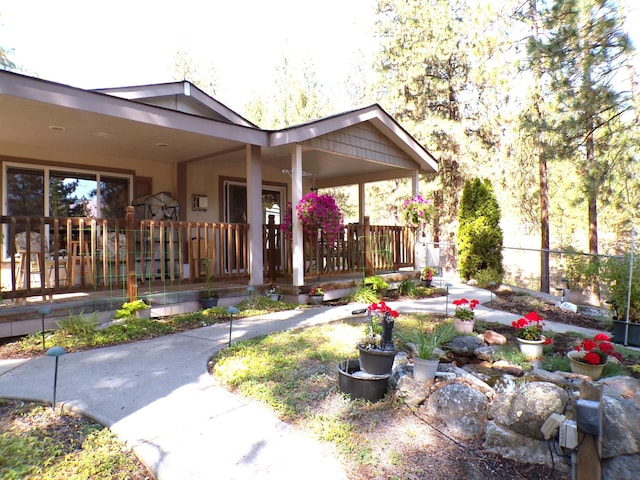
[55, 352]
[44, 311]
[231, 311]
[491, 285]
[446, 305]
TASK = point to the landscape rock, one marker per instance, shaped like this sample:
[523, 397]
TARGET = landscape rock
[512, 445]
[625, 467]
[412, 391]
[494, 338]
[621, 427]
[486, 352]
[464, 345]
[525, 410]
[461, 408]
[508, 368]
[467, 377]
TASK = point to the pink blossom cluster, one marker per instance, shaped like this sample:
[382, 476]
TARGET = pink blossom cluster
[317, 213]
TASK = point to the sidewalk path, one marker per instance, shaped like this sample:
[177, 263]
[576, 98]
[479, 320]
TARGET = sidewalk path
[157, 396]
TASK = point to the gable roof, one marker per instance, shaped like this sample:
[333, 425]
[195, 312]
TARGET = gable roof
[181, 96]
[177, 122]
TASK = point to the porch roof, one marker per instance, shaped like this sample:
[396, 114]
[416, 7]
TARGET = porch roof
[178, 123]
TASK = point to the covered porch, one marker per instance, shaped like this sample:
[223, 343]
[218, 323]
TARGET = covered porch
[231, 179]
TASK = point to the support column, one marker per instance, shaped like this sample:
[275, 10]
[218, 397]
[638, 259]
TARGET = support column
[362, 197]
[420, 249]
[296, 196]
[254, 214]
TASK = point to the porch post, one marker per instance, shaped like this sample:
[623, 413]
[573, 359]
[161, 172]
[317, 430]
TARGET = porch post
[296, 196]
[130, 262]
[419, 247]
[361, 202]
[254, 214]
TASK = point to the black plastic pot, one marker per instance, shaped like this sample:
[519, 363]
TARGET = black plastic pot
[375, 361]
[357, 384]
[209, 302]
[633, 337]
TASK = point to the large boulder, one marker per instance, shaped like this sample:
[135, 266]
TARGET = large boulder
[464, 345]
[512, 445]
[526, 409]
[461, 408]
[624, 467]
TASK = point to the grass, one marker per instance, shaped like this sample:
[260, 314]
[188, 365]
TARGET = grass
[35, 445]
[79, 331]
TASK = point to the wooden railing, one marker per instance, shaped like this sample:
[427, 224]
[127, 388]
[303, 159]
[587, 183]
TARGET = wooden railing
[360, 248]
[81, 254]
[85, 254]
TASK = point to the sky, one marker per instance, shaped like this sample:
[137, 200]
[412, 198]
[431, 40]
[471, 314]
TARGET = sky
[113, 43]
[90, 44]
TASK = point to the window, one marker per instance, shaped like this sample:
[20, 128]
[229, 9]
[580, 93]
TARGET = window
[44, 191]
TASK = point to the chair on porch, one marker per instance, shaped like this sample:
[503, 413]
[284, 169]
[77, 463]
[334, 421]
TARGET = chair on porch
[34, 260]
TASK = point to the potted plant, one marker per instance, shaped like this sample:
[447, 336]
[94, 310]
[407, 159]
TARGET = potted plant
[315, 295]
[317, 213]
[274, 293]
[425, 359]
[417, 212]
[426, 276]
[377, 350]
[136, 308]
[464, 314]
[621, 294]
[377, 284]
[591, 355]
[529, 335]
[208, 296]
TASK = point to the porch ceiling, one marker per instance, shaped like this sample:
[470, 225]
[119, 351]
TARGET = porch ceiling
[28, 123]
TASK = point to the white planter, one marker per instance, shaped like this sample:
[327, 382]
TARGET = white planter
[531, 349]
[464, 326]
[424, 370]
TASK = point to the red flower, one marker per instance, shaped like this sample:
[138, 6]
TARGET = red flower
[597, 349]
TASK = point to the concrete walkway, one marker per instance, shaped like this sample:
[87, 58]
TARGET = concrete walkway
[157, 396]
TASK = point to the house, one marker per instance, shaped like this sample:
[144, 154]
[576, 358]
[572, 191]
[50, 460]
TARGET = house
[74, 159]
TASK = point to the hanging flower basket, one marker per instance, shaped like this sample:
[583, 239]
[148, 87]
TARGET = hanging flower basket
[319, 214]
[416, 212]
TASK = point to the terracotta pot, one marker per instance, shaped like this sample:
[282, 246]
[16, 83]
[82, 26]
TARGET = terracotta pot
[464, 326]
[424, 370]
[375, 361]
[531, 348]
[583, 368]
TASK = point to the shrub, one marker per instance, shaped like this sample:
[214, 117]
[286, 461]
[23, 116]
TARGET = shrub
[78, 324]
[615, 274]
[376, 283]
[486, 276]
[407, 287]
[479, 240]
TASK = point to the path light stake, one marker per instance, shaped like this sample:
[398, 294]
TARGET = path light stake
[231, 311]
[491, 285]
[55, 352]
[44, 311]
[446, 306]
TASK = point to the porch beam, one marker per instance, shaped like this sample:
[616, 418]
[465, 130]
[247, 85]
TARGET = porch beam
[254, 213]
[296, 196]
[339, 181]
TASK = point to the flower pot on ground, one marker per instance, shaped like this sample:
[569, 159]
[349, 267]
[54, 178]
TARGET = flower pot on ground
[136, 308]
[315, 296]
[591, 355]
[580, 366]
[632, 333]
[425, 359]
[532, 349]
[359, 384]
[377, 350]
[208, 296]
[274, 293]
[426, 276]
[464, 314]
[377, 284]
[529, 334]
